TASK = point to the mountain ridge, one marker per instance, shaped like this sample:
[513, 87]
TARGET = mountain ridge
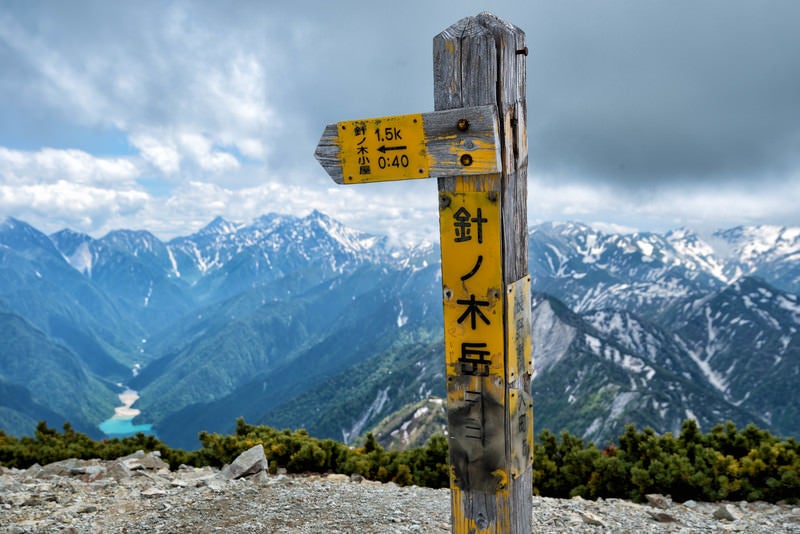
[207, 319]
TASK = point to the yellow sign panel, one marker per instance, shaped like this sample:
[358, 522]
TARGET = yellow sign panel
[518, 302]
[382, 149]
[472, 283]
[518, 356]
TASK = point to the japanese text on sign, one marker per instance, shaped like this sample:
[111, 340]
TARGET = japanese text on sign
[388, 148]
[472, 284]
[471, 276]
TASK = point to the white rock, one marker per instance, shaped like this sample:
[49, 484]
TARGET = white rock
[119, 470]
[249, 462]
[726, 513]
[591, 519]
[153, 492]
[216, 484]
[7, 483]
[657, 500]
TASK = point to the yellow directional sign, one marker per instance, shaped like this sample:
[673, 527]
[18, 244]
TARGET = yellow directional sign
[392, 148]
[459, 142]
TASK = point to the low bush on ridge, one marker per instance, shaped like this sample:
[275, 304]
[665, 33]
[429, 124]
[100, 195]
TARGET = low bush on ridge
[726, 463]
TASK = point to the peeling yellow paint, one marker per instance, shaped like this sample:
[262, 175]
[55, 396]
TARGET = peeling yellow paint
[481, 182]
[499, 523]
[481, 152]
[502, 479]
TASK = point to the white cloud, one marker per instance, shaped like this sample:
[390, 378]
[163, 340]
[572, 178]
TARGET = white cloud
[161, 153]
[252, 148]
[699, 206]
[222, 107]
[50, 165]
[59, 81]
[405, 216]
[180, 87]
[238, 90]
[60, 204]
[727, 205]
[185, 153]
[202, 151]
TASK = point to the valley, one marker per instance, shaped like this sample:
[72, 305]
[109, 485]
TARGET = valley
[301, 322]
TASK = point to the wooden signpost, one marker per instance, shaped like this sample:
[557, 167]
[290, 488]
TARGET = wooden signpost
[445, 143]
[475, 143]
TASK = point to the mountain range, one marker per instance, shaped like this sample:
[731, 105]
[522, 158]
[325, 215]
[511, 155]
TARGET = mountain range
[303, 322]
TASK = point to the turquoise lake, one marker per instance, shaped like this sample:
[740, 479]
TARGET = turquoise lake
[121, 424]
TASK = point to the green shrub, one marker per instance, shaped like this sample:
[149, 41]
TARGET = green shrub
[725, 463]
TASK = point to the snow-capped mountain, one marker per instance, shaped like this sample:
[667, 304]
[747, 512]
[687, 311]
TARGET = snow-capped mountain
[107, 299]
[589, 269]
[272, 244]
[644, 272]
[769, 252]
[260, 318]
[745, 340]
[601, 370]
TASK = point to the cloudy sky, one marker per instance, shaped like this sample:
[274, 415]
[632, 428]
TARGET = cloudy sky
[642, 114]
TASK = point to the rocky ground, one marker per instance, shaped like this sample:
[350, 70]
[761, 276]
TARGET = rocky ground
[139, 493]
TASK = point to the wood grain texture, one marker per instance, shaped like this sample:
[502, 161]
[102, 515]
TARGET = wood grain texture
[445, 144]
[481, 61]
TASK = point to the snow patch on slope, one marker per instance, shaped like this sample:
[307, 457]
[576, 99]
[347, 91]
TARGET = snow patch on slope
[81, 259]
[381, 398]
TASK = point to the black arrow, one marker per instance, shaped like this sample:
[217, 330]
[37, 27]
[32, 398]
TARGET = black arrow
[384, 148]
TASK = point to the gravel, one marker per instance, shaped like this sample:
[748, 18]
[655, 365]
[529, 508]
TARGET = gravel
[140, 494]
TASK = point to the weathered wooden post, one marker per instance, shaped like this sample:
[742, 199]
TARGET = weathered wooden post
[483, 225]
[475, 143]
